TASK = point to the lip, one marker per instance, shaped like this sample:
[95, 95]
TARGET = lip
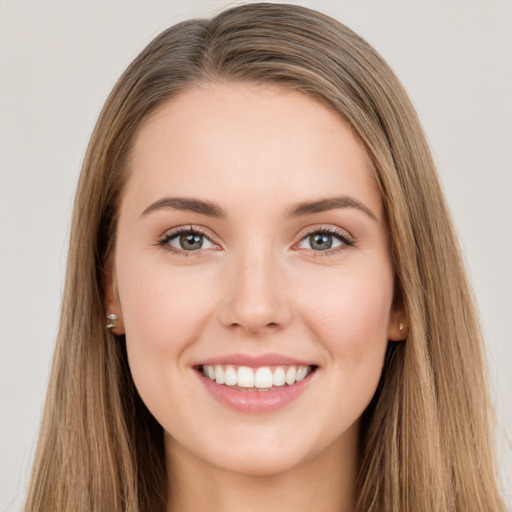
[255, 361]
[256, 402]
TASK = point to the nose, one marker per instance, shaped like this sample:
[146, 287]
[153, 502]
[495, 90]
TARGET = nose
[255, 299]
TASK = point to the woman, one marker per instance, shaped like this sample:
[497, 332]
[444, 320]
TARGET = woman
[288, 320]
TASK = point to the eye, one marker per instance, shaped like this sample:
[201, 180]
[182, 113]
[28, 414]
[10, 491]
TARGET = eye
[325, 239]
[186, 240]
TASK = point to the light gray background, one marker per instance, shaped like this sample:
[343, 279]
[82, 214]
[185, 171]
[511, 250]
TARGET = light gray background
[59, 60]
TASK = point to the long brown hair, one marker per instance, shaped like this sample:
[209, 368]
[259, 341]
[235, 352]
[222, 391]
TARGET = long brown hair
[426, 437]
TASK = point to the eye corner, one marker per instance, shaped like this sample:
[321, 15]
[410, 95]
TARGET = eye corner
[200, 237]
[334, 238]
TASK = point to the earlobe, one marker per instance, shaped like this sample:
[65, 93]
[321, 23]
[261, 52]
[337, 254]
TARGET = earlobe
[113, 313]
[398, 328]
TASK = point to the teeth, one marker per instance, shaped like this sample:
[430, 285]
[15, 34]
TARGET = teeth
[230, 376]
[279, 377]
[263, 378]
[301, 373]
[245, 377]
[260, 378]
[219, 375]
[290, 375]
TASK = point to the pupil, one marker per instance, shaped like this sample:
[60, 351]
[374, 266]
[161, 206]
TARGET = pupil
[321, 241]
[191, 241]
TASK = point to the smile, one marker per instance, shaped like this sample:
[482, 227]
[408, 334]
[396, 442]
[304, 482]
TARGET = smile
[256, 385]
[263, 378]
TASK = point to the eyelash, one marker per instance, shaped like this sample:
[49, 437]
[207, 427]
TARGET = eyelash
[343, 236]
[188, 230]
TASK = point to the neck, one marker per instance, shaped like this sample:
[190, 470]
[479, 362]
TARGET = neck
[324, 483]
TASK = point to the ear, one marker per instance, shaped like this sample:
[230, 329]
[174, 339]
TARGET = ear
[398, 327]
[112, 303]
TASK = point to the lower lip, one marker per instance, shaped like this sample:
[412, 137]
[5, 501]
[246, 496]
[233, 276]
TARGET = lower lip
[256, 401]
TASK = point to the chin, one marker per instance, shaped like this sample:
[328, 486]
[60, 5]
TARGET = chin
[264, 463]
[272, 452]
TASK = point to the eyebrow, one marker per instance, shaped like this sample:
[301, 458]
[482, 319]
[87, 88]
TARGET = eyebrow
[212, 209]
[331, 203]
[188, 205]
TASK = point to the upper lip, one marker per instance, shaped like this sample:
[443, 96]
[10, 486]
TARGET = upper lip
[255, 361]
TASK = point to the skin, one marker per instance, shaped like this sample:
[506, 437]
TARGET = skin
[256, 286]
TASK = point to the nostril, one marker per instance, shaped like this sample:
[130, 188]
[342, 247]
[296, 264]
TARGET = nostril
[270, 324]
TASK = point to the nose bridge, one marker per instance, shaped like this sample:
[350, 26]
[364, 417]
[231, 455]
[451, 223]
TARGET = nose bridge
[255, 298]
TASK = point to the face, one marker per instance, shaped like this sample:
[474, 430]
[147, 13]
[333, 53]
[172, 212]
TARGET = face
[252, 277]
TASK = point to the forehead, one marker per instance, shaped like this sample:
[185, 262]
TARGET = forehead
[246, 140]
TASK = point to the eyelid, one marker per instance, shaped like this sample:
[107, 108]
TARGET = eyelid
[345, 237]
[347, 240]
[188, 228]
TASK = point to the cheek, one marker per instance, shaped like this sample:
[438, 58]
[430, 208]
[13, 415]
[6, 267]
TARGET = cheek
[350, 319]
[347, 320]
[163, 307]
[164, 311]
